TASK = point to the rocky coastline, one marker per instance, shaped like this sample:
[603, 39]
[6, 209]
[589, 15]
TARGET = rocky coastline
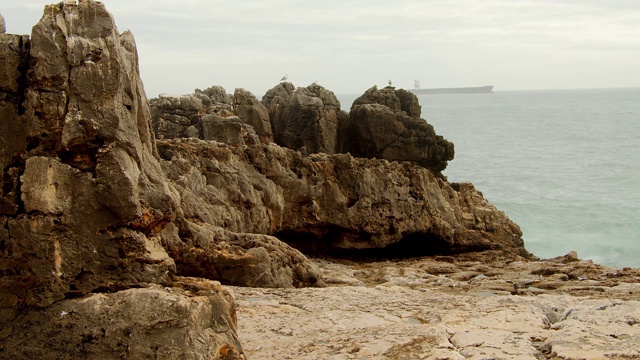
[223, 226]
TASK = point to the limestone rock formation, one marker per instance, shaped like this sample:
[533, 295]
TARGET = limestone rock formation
[195, 319]
[209, 115]
[83, 202]
[251, 111]
[334, 204]
[183, 116]
[385, 124]
[213, 98]
[396, 100]
[14, 50]
[305, 119]
[89, 182]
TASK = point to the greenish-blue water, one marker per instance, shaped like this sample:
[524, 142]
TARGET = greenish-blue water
[562, 164]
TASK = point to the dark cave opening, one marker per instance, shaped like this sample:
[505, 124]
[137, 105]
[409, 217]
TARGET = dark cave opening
[336, 242]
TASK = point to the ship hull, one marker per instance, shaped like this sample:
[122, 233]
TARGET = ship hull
[462, 90]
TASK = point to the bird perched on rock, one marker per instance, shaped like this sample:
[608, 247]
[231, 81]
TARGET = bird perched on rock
[284, 78]
[389, 82]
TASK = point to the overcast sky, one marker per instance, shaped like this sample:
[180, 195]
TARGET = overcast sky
[350, 45]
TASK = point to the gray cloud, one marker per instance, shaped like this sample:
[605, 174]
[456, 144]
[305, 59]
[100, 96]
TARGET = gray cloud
[350, 45]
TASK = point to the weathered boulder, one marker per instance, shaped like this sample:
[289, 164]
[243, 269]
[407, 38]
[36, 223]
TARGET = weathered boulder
[251, 111]
[193, 320]
[174, 117]
[304, 119]
[213, 98]
[384, 125]
[229, 208]
[3, 27]
[208, 115]
[334, 204]
[396, 100]
[241, 259]
[84, 199]
[229, 130]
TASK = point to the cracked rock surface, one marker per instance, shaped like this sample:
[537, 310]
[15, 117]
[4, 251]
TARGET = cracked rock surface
[446, 308]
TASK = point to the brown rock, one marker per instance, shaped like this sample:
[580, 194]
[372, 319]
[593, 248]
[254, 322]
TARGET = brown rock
[84, 198]
[396, 100]
[251, 111]
[334, 203]
[383, 126]
[137, 324]
[237, 259]
[304, 119]
[173, 116]
[14, 50]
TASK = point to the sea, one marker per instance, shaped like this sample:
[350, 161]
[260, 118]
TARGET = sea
[562, 164]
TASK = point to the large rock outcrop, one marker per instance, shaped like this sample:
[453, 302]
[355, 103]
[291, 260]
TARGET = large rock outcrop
[89, 184]
[386, 124]
[305, 119]
[99, 222]
[334, 204]
[83, 202]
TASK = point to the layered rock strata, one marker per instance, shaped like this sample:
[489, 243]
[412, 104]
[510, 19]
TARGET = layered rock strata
[84, 199]
[103, 228]
[334, 204]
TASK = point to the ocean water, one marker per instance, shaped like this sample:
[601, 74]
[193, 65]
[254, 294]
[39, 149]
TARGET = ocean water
[562, 164]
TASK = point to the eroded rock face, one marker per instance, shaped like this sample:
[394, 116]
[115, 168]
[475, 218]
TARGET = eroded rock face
[386, 124]
[251, 111]
[304, 119]
[88, 169]
[193, 320]
[334, 204]
[3, 27]
[84, 200]
[396, 100]
[209, 115]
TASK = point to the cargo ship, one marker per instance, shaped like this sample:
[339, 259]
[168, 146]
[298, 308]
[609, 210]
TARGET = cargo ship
[487, 89]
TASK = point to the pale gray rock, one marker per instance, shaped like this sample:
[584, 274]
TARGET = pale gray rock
[239, 259]
[404, 310]
[396, 100]
[215, 94]
[173, 117]
[3, 27]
